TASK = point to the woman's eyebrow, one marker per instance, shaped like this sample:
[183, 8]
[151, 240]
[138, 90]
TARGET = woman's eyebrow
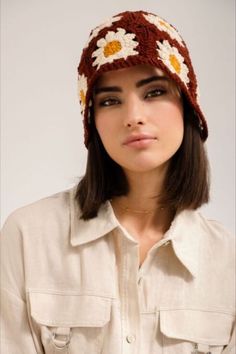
[151, 79]
[140, 83]
[98, 90]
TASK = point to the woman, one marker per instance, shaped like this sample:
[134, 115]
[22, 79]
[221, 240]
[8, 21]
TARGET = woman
[124, 262]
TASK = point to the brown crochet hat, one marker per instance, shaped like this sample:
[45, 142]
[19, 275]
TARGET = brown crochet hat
[132, 38]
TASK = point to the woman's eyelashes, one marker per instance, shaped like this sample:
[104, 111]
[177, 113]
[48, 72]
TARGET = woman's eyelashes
[155, 92]
[110, 101]
[149, 94]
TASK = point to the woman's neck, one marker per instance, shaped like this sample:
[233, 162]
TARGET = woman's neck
[144, 189]
[140, 206]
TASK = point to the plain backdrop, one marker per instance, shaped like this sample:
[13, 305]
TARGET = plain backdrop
[42, 149]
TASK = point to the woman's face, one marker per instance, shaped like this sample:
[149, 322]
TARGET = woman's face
[139, 117]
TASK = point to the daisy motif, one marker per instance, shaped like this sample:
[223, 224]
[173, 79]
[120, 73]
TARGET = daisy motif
[107, 23]
[171, 57]
[162, 25]
[114, 46]
[82, 90]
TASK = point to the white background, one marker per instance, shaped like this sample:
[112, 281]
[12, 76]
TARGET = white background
[42, 148]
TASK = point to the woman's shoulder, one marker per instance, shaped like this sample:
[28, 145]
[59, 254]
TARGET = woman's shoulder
[212, 233]
[42, 211]
[215, 228]
[198, 220]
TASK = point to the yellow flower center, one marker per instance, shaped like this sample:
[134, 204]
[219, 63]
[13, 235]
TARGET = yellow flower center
[164, 24]
[175, 63]
[112, 48]
[82, 97]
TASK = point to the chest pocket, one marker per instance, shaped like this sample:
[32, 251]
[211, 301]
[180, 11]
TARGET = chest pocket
[195, 331]
[70, 324]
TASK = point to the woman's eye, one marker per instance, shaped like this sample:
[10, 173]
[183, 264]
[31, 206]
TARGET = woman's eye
[155, 93]
[108, 102]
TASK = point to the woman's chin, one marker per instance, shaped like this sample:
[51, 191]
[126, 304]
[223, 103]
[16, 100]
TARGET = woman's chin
[142, 167]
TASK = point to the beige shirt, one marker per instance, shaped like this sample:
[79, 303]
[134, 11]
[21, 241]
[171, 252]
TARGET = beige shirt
[75, 287]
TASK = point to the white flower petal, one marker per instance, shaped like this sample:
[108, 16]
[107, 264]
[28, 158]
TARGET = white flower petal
[108, 23]
[173, 60]
[110, 36]
[101, 42]
[162, 25]
[115, 45]
[121, 31]
[82, 90]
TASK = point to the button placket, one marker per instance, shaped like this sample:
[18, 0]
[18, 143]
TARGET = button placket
[140, 276]
[166, 243]
[129, 290]
[130, 338]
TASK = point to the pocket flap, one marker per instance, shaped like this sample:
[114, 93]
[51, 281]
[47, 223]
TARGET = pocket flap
[199, 326]
[69, 310]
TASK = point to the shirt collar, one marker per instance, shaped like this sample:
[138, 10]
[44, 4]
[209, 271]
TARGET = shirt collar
[86, 231]
[184, 233]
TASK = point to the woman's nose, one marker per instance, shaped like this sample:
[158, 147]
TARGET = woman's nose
[134, 113]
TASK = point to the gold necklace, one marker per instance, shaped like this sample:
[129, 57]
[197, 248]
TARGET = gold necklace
[138, 211]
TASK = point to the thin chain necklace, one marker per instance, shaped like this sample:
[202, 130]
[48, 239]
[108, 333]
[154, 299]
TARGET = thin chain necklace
[145, 211]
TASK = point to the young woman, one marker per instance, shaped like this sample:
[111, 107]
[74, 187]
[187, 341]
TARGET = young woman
[124, 263]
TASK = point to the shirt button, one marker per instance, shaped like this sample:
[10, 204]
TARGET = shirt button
[130, 338]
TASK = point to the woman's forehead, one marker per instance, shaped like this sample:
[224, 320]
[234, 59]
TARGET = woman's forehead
[136, 71]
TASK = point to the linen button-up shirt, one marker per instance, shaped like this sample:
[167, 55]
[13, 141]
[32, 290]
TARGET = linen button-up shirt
[74, 286]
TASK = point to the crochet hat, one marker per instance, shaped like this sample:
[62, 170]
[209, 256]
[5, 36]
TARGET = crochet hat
[132, 38]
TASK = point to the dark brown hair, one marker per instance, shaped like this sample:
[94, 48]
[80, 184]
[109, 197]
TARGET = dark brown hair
[186, 184]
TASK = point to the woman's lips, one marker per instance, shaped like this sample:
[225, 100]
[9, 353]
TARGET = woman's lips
[139, 141]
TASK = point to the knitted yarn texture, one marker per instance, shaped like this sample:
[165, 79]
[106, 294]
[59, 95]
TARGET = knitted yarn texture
[132, 38]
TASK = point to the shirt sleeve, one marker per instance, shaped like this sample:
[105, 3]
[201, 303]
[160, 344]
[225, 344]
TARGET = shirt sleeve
[16, 333]
[231, 347]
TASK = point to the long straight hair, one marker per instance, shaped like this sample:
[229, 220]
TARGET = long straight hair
[186, 184]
